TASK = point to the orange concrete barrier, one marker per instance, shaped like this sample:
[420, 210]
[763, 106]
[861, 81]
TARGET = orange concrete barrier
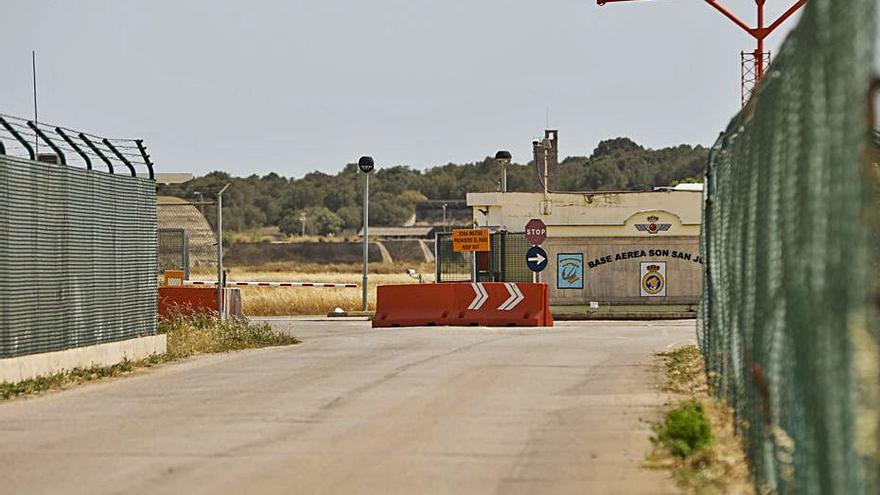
[186, 300]
[197, 300]
[493, 304]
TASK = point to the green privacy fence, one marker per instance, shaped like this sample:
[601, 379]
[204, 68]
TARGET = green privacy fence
[77, 257]
[789, 322]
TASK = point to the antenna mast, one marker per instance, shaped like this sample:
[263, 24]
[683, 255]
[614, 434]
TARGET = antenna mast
[36, 119]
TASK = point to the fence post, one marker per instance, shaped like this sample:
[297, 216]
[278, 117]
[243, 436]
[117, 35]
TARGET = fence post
[474, 267]
[436, 257]
[184, 248]
[501, 247]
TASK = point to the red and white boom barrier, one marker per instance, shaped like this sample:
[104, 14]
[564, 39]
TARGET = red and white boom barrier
[275, 284]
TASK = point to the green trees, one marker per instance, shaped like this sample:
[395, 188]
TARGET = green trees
[387, 209]
[333, 202]
[316, 220]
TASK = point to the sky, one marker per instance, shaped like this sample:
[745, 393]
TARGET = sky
[293, 86]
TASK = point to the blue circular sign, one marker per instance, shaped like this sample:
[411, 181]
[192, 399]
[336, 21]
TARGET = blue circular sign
[536, 258]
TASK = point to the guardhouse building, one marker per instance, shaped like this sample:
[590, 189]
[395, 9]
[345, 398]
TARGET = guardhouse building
[638, 247]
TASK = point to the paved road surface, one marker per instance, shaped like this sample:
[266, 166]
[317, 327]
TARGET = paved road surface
[353, 410]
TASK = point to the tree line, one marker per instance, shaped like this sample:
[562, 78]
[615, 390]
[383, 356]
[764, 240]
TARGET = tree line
[332, 203]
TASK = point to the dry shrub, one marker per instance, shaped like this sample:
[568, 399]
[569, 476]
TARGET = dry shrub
[685, 371]
[193, 334]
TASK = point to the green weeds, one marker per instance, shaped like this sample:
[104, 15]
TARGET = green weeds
[187, 335]
[696, 439]
[686, 430]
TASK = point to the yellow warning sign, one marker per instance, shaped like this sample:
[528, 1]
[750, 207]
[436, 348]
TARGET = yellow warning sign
[174, 277]
[469, 240]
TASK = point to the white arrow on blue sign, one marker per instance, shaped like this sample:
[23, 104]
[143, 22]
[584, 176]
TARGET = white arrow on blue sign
[536, 259]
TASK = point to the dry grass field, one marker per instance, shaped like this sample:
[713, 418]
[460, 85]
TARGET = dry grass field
[284, 301]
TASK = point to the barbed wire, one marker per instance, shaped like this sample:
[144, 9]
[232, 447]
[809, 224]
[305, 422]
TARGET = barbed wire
[23, 138]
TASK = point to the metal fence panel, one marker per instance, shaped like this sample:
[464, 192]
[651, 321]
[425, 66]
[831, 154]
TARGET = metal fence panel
[789, 322]
[451, 266]
[506, 259]
[174, 250]
[77, 257]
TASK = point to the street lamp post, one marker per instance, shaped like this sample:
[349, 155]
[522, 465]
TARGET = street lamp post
[366, 164]
[221, 282]
[503, 157]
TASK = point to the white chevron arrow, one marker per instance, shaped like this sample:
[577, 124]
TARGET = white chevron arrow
[515, 298]
[538, 259]
[481, 296]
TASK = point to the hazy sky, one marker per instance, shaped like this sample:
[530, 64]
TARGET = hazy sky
[299, 85]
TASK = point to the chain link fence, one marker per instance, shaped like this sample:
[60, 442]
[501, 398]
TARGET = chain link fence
[187, 240]
[789, 323]
[505, 262]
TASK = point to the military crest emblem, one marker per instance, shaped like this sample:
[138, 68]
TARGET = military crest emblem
[653, 226]
[653, 281]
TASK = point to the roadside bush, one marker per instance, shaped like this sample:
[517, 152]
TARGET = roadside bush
[686, 430]
[191, 334]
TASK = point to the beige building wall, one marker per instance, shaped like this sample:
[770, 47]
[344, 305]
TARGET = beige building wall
[619, 280]
[626, 226]
[588, 214]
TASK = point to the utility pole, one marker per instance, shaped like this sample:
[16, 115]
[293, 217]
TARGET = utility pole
[302, 218]
[753, 66]
[366, 164]
[444, 213]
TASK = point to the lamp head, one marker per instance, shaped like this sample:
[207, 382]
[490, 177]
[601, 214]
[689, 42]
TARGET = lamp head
[503, 156]
[366, 164]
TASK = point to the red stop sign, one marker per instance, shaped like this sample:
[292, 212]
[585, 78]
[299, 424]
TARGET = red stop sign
[536, 231]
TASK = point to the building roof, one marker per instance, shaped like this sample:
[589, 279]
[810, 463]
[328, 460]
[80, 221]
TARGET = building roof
[170, 177]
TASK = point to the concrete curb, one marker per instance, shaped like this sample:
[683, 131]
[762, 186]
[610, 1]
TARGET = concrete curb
[20, 368]
[362, 314]
[685, 315]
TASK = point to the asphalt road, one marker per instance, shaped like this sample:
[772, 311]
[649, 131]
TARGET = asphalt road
[355, 410]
